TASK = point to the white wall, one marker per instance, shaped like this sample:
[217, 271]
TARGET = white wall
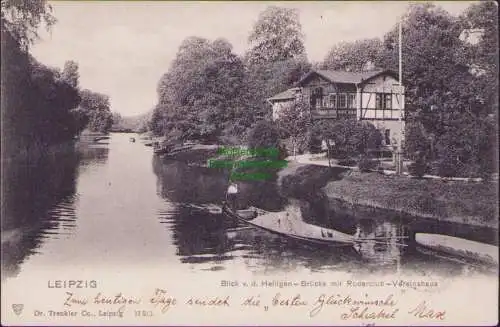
[278, 106]
[381, 84]
[393, 125]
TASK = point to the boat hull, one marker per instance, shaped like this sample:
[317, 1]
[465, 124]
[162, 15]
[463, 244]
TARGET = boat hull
[344, 240]
[459, 247]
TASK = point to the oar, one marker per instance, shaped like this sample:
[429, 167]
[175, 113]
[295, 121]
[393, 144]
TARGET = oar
[378, 242]
[381, 238]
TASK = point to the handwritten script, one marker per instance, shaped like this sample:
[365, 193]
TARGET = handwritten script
[345, 306]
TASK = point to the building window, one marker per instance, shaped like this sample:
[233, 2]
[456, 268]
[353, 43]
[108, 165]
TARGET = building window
[342, 100]
[351, 101]
[388, 101]
[317, 97]
[387, 137]
[383, 101]
[333, 101]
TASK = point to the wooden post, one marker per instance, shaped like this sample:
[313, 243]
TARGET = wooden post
[399, 151]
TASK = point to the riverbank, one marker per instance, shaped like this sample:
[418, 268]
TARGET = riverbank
[352, 194]
[455, 201]
[338, 189]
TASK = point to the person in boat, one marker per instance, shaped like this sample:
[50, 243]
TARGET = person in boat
[232, 196]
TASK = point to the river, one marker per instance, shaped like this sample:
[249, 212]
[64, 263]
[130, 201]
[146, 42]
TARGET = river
[114, 205]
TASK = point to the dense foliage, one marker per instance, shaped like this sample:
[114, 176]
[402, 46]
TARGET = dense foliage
[348, 138]
[453, 102]
[97, 109]
[451, 85]
[40, 104]
[128, 124]
[294, 122]
[211, 94]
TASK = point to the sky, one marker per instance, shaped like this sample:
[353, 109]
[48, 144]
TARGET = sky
[123, 48]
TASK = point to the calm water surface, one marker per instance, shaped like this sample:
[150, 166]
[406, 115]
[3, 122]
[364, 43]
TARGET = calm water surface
[114, 204]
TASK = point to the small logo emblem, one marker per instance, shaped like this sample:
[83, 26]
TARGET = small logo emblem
[18, 308]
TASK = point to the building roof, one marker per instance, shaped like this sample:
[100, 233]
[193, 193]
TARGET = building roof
[334, 76]
[285, 95]
[339, 76]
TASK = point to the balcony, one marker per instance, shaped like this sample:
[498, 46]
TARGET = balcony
[323, 112]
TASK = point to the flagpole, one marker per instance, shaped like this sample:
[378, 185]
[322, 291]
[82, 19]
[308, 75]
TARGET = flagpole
[399, 155]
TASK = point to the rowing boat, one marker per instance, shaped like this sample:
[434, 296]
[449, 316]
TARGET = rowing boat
[459, 247]
[284, 224]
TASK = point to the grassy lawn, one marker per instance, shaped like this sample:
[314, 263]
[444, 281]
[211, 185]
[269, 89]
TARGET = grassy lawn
[472, 203]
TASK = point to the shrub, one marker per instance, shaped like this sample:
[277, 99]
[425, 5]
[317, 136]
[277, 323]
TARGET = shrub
[418, 168]
[365, 164]
[347, 162]
[283, 152]
[446, 167]
[314, 145]
[416, 142]
[263, 135]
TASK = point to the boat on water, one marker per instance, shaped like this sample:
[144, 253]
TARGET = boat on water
[101, 138]
[283, 224]
[162, 148]
[132, 139]
[459, 247]
[170, 149]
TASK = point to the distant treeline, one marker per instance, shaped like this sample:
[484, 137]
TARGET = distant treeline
[130, 124]
[41, 106]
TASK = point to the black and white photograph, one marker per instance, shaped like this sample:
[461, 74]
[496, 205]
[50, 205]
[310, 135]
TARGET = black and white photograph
[290, 163]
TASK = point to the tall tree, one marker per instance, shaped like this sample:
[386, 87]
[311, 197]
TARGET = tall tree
[354, 56]
[276, 59]
[202, 91]
[276, 36]
[294, 122]
[21, 18]
[448, 90]
[97, 108]
[70, 73]
[482, 56]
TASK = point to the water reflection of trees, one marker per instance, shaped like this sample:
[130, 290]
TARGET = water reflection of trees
[181, 183]
[178, 182]
[38, 200]
[384, 243]
[269, 252]
[200, 237]
[91, 155]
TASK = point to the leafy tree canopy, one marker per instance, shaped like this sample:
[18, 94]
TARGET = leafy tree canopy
[276, 36]
[354, 56]
[23, 17]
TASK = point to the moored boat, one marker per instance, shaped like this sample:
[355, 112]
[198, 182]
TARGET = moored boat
[132, 139]
[159, 149]
[100, 138]
[283, 224]
[171, 149]
[459, 247]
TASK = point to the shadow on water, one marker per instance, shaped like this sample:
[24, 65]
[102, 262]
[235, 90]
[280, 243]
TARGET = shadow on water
[38, 200]
[181, 183]
[205, 237]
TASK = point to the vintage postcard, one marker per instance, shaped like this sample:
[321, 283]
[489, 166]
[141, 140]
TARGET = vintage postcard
[324, 163]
